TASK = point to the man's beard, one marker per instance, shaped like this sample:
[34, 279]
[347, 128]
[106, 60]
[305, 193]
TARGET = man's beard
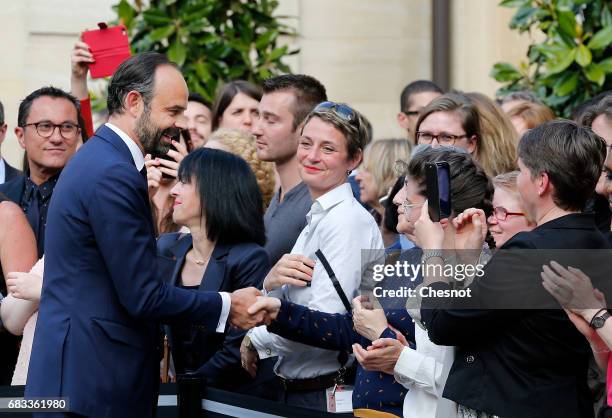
[150, 135]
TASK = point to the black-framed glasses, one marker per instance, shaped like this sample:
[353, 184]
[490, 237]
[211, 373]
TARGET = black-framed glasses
[443, 138]
[501, 213]
[339, 109]
[45, 129]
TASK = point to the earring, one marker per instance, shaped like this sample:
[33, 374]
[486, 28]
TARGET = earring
[348, 172]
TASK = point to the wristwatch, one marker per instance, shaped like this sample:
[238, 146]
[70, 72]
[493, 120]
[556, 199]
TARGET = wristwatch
[598, 321]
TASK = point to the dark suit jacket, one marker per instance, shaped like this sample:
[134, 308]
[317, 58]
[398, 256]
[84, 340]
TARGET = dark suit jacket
[98, 322]
[13, 189]
[518, 363]
[213, 356]
[10, 172]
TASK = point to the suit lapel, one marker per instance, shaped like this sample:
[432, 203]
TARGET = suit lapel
[214, 276]
[180, 249]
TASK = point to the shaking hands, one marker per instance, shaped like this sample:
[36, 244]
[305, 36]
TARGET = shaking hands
[250, 309]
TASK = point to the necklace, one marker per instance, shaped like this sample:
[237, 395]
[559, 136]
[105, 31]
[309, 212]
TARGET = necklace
[198, 261]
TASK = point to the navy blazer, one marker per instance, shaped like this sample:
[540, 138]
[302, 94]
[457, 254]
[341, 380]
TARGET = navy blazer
[518, 363]
[97, 332]
[231, 267]
[14, 188]
[10, 172]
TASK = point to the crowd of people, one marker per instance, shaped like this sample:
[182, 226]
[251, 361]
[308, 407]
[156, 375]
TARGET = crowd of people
[232, 241]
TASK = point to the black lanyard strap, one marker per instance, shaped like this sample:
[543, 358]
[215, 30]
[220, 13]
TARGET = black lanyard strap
[335, 282]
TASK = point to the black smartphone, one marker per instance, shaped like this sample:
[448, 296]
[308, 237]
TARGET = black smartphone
[437, 178]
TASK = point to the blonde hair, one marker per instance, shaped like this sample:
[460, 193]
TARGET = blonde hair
[379, 160]
[242, 144]
[497, 147]
[507, 182]
[534, 114]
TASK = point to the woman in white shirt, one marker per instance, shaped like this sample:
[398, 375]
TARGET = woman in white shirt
[331, 146]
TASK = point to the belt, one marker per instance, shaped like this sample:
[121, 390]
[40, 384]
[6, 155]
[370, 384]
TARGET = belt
[319, 382]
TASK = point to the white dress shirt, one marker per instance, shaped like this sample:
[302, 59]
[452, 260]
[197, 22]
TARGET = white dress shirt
[2, 171]
[424, 372]
[340, 227]
[139, 161]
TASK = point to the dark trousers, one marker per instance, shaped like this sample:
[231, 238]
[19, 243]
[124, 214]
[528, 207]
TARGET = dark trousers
[310, 400]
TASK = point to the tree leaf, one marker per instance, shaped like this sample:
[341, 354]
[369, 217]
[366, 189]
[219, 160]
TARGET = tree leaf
[504, 72]
[277, 53]
[513, 3]
[567, 22]
[266, 38]
[601, 39]
[595, 74]
[161, 33]
[156, 17]
[126, 12]
[606, 65]
[177, 52]
[566, 84]
[606, 16]
[520, 19]
[583, 56]
[562, 62]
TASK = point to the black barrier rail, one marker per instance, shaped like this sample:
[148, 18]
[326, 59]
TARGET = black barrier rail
[215, 403]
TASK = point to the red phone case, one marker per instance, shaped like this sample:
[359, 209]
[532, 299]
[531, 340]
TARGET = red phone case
[109, 46]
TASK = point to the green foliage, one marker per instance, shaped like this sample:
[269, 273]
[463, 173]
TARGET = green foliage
[574, 61]
[212, 41]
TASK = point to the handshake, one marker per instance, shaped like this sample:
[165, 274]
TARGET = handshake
[250, 309]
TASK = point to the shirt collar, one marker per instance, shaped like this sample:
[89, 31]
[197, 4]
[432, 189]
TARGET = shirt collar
[46, 189]
[134, 150]
[333, 197]
[2, 171]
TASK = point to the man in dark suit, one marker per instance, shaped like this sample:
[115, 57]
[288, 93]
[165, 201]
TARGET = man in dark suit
[515, 357]
[96, 336]
[48, 130]
[7, 172]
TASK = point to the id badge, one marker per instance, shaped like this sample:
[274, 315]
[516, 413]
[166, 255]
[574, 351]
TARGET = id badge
[339, 398]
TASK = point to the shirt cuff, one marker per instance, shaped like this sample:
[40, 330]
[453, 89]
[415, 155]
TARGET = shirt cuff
[261, 340]
[407, 367]
[225, 310]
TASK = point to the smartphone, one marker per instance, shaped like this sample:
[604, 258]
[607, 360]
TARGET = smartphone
[437, 178]
[174, 134]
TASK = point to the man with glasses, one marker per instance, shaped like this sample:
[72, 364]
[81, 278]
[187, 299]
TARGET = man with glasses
[48, 130]
[7, 172]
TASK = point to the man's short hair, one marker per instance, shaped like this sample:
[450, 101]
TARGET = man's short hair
[308, 92]
[570, 154]
[135, 74]
[522, 95]
[1, 114]
[418, 86]
[54, 92]
[603, 106]
[198, 98]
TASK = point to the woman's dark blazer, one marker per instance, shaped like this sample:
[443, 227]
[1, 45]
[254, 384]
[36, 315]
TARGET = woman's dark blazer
[231, 267]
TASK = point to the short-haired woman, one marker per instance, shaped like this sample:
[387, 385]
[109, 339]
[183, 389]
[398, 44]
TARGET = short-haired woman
[331, 145]
[217, 198]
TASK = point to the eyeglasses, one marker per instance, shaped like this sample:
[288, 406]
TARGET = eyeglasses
[443, 139]
[502, 213]
[45, 129]
[409, 206]
[339, 109]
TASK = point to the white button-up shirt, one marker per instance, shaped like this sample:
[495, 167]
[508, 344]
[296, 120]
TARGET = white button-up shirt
[424, 372]
[340, 227]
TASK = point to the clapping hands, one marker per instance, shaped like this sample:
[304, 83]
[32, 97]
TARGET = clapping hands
[368, 322]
